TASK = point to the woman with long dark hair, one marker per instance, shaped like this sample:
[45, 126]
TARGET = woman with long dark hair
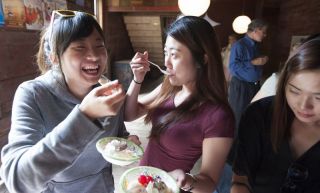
[189, 111]
[278, 146]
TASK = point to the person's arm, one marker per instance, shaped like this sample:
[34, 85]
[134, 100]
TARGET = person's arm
[238, 63]
[218, 132]
[214, 155]
[39, 145]
[240, 184]
[241, 64]
[134, 106]
[32, 156]
[260, 61]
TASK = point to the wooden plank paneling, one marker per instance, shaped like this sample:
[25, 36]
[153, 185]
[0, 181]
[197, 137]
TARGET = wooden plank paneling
[146, 35]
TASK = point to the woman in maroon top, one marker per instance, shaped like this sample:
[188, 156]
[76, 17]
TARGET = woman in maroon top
[189, 110]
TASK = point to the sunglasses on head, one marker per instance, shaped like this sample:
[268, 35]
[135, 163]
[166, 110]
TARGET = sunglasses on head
[65, 14]
[296, 175]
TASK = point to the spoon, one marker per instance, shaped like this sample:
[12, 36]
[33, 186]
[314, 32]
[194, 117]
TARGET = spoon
[103, 79]
[156, 65]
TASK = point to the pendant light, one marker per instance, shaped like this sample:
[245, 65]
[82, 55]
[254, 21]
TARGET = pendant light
[193, 7]
[240, 23]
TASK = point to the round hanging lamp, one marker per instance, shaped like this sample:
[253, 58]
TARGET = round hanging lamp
[240, 24]
[193, 7]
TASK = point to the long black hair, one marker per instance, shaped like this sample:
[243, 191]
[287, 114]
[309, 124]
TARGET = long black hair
[305, 57]
[210, 84]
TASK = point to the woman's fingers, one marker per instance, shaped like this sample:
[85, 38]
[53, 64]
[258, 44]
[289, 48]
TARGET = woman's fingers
[115, 98]
[109, 88]
[112, 93]
[105, 100]
[140, 66]
[140, 59]
[135, 139]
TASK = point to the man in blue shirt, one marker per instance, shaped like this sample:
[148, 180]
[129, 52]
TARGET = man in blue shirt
[246, 67]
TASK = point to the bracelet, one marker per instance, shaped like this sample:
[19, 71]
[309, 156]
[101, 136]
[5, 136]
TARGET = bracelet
[136, 81]
[190, 187]
[241, 184]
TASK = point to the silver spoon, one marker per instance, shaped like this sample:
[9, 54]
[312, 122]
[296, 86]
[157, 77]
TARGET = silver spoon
[156, 65]
[103, 79]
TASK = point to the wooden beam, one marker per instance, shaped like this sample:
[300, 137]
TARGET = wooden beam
[98, 11]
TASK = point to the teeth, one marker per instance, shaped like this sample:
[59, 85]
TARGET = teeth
[90, 67]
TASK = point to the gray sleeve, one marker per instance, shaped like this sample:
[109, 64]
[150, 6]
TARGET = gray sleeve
[31, 158]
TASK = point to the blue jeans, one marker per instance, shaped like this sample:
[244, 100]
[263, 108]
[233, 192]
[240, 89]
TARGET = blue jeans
[224, 184]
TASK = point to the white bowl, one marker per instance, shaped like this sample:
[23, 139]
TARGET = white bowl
[131, 176]
[121, 158]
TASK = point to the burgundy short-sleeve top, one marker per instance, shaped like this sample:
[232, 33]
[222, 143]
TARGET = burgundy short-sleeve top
[180, 146]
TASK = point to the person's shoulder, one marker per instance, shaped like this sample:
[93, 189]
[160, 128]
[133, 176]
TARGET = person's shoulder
[211, 106]
[30, 91]
[213, 110]
[35, 85]
[240, 43]
[217, 116]
[258, 115]
[263, 104]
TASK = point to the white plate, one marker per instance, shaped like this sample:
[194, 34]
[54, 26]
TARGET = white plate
[119, 158]
[131, 177]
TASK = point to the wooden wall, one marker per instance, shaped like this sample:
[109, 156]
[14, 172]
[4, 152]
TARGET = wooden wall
[117, 37]
[17, 50]
[296, 17]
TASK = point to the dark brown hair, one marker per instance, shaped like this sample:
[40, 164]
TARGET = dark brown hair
[306, 57]
[200, 38]
[65, 30]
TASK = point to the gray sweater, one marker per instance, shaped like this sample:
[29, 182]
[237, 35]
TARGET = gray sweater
[51, 145]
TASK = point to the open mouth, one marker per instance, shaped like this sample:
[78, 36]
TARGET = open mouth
[91, 70]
